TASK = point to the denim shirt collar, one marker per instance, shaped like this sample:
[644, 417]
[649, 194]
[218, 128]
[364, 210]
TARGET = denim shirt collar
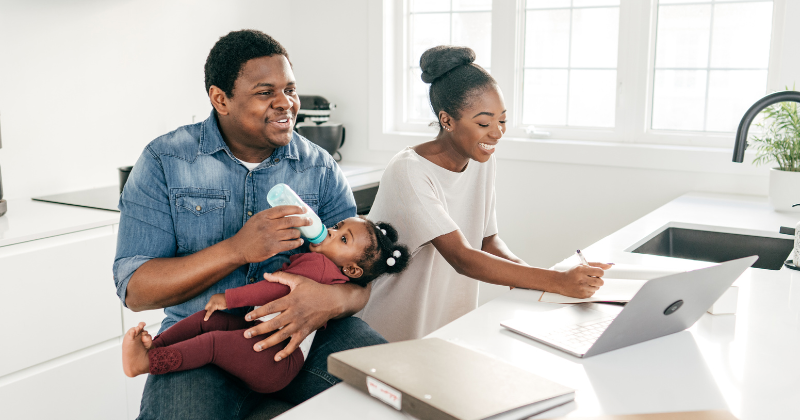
[211, 141]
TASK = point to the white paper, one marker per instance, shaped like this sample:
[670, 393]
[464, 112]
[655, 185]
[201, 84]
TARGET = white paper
[626, 271]
[612, 290]
[384, 393]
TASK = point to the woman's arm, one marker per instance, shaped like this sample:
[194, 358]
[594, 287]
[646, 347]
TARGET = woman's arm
[579, 281]
[495, 246]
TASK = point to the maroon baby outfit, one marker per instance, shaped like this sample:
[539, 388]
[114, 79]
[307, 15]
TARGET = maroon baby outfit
[193, 343]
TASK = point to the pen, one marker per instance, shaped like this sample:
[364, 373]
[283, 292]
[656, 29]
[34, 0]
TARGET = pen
[583, 259]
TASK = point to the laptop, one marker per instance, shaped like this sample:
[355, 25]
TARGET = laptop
[663, 306]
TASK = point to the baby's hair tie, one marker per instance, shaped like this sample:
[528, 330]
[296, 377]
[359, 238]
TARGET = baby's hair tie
[390, 261]
[383, 231]
[396, 254]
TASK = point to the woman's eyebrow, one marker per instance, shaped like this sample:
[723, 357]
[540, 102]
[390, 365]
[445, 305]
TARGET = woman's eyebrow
[491, 114]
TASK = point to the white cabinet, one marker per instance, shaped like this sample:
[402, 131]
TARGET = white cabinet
[59, 292]
[62, 321]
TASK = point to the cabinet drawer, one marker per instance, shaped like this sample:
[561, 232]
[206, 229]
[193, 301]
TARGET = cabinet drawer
[58, 296]
[89, 387]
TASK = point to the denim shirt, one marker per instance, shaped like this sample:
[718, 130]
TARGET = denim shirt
[187, 192]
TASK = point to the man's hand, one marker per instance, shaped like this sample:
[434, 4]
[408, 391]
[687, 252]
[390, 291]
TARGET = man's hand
[581, 281]
[269, 232]
[217, 302]
[307, 307]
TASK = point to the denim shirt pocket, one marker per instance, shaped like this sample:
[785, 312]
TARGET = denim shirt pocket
[199, 217]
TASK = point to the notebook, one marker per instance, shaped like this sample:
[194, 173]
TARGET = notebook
[436, 379]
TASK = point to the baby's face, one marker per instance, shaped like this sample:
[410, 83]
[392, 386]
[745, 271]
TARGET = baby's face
[345, 243]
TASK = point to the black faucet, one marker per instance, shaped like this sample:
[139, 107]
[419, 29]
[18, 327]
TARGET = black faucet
[750, 115]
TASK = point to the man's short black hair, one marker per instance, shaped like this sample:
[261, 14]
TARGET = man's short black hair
[232, 51]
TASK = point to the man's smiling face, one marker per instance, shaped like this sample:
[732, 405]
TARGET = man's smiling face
[264, 104]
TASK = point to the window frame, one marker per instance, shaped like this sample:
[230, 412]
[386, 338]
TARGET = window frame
[635, 76]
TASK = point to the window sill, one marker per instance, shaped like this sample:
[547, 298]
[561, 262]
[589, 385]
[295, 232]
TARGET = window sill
[614, 154]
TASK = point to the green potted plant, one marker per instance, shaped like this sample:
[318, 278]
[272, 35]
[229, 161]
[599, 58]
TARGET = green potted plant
[779, 141]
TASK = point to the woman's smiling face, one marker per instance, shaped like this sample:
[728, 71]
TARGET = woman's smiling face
[482, 124]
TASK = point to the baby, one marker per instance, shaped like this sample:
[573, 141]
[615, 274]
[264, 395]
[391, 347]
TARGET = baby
[355, 250]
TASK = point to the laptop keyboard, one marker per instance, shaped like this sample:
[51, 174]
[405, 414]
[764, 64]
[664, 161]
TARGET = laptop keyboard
[578, 337]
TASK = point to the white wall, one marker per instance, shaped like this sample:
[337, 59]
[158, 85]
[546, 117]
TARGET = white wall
[85, 84]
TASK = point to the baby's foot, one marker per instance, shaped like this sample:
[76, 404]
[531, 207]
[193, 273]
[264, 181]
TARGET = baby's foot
[134, 352]
[147, 340]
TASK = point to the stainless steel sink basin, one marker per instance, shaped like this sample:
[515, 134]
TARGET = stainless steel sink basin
[716, 244]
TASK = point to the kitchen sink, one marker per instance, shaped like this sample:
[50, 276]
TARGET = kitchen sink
[716, 244]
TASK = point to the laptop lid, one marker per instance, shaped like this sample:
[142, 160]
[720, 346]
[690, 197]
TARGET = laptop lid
[669, 304]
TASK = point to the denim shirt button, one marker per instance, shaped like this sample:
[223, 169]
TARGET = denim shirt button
[252, 279]
[250, 174]
[276, 160]
[198, 208]
[249, 213]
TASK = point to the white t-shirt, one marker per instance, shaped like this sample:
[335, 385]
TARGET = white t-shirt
[424, 201]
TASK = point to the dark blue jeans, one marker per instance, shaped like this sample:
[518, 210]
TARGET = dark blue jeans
[210, 393]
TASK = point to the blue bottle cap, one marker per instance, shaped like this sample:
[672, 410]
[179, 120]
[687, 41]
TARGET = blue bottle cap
[321, 237]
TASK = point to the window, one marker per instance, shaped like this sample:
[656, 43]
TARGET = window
[678, 72]
[443, 22]
[711, 63]
[570, 64]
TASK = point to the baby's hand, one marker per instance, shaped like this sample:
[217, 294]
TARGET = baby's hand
[215, 303]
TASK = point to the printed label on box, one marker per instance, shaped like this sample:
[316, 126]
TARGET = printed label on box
[384, 392]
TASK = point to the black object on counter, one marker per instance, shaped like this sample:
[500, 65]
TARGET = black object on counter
[124, 171]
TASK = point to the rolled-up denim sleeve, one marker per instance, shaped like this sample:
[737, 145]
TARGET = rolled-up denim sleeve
[146, 229]
[336, 201]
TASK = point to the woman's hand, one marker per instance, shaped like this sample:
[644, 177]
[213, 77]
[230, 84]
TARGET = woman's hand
[580, 281]
[216, 303]
[307, 307]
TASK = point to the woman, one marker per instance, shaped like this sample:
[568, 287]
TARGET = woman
[440, 196]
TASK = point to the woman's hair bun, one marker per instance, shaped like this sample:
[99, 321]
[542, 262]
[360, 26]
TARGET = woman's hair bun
[439, 60]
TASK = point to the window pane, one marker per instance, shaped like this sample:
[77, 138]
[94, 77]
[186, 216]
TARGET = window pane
[474, 30]
[741, 35]
[588, 3]
[594, 37]
[730, 93]
[547, 38]
[547, 4]
[682, 39]
[545, 97]
[428, 30]
[592, 98]
[419, 108]
[429, 6]
[459, 5]
[679, 99]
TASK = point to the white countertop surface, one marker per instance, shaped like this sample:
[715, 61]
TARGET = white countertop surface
[746, 363]
[29, 220]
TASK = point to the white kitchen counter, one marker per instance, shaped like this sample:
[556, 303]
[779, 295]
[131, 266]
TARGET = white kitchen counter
[746, 363]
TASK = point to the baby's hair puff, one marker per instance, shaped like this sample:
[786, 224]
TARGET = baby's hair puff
[384, 254]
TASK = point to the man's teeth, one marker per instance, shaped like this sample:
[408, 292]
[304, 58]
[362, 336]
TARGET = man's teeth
[283, 120]
[487, 146]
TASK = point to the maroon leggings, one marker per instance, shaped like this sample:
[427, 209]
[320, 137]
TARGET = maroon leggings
[193, 343]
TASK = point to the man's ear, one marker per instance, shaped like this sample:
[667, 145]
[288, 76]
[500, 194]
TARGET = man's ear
[353, 271]
[219, 100]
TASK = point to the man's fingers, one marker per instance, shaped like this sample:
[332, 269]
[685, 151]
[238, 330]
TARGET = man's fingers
[294, 343]
[283, 278]
[278, 212]
[294, 221]
[277, 305]
[276, 338]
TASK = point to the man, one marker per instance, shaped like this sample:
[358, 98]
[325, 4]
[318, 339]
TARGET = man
[195, 221]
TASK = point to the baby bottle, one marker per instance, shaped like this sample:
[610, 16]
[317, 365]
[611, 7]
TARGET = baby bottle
[282, 195]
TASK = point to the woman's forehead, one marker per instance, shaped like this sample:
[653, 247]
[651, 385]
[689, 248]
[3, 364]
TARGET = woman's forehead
[485, 101]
